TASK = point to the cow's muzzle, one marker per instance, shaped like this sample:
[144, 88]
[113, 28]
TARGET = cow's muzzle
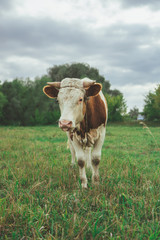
[65, 125]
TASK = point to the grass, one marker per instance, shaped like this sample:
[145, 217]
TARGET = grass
[41, 196]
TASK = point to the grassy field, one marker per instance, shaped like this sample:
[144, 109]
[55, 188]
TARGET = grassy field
[41, 195]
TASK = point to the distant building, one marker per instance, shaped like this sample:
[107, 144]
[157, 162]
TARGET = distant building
[140, 117]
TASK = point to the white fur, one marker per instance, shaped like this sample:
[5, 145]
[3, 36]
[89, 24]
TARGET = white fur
[68, 103]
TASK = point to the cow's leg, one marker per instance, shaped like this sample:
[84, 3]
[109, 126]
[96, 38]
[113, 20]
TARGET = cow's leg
[96, 156]
[72, 153]
[82, 173]
[72, 150]
[81, 162]
[88, 157]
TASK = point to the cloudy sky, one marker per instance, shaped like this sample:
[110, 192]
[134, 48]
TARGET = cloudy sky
[119, 37]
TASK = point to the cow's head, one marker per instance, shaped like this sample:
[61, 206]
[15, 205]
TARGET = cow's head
[71, 94]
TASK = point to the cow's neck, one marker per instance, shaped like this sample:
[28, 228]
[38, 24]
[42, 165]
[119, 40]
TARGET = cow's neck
[86, 115]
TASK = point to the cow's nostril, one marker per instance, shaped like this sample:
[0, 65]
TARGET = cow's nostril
[65, 124]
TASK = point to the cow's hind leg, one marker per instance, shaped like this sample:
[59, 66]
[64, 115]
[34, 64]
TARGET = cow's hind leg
[96, 156]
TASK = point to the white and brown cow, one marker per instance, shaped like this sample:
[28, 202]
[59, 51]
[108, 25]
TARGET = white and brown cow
[83, 116]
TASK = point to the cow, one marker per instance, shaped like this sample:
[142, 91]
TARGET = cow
[84, 116]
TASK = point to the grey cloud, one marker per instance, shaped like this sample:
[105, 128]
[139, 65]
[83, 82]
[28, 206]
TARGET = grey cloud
[117, 47]
[37, 34]
[154, 4]
[6, 5]
[123, 53]
[124, 49]
[46, 40]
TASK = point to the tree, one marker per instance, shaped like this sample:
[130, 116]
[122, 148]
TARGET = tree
[157, 99]
[80, 70]
[152, 105]
[22, 102]
[134, 113]
[3, 101]
[74, 70]
[42, 110]
[14, 93]
[26, 104]
[116, 107]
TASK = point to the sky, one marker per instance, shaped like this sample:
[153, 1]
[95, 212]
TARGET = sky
[121, 38]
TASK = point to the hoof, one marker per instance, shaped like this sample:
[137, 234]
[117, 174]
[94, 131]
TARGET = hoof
[84, 186]
[95, 180]
[83, 183]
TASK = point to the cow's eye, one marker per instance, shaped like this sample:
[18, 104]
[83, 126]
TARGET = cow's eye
[81, 99]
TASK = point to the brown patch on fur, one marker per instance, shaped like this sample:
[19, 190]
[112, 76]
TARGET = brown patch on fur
[71, 135]
[95, 162]
[84, 108]
[82, 129]
[81, 163]
[96, 114]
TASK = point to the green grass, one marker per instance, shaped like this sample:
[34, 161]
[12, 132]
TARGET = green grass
[41, 196]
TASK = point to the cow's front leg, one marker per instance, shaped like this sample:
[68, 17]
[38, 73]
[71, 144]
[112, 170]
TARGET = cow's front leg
[82, 172]
[88, 157]
[72, 150]
[80, 155]
[96, 156]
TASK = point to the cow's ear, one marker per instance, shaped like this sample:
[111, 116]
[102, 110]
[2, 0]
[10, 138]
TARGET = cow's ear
[51, 91]
[93, 90]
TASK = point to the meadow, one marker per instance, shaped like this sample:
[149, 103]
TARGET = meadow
[41, 195]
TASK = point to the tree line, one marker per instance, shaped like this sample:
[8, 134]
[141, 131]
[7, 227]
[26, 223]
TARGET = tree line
[23, 103]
